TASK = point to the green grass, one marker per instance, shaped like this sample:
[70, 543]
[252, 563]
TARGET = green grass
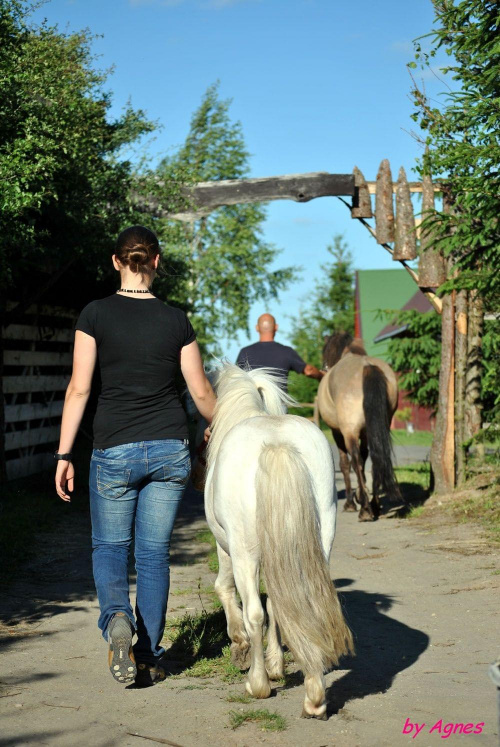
[415, 512]
[192, 590]
[205, 535]
[401, 437]
[200, 646]
[267, 721]
[414, 482]
[239, 698]
[483, 509]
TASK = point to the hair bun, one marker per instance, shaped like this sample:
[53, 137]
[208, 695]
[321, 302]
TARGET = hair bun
[136, 247]
[139, 254]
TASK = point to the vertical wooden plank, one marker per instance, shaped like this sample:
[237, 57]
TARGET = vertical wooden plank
[443, 444]
[405, 240]
[460, 373]
[384, 210]
[473, 374]
[431, 268]
[361, 201]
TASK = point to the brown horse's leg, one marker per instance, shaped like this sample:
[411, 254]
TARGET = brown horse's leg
[365, 513]
[345, 468]
[363, 449]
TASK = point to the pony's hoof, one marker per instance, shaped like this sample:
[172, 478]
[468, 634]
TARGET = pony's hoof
[276, 674]
[320, 717]
[350, 506]
[263, 692]
[240, 656]
[365, 515]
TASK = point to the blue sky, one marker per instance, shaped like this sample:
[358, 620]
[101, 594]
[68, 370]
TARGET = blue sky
[318, 85]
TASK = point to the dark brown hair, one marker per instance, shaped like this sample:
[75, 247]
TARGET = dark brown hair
[136, 247]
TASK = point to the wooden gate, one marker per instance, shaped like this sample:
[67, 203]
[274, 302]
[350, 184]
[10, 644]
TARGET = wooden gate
[37, 360]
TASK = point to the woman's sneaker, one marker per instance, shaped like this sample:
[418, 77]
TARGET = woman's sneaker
[148, 675]
[120, 656]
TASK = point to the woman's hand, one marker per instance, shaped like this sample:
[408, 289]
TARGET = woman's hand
[206, 434]
[65, 479]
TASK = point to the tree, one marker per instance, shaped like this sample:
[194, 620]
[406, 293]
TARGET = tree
[225, 259]
[331, 309]
[416, 356]
[463, 152]
[462, 144]
[64, 185]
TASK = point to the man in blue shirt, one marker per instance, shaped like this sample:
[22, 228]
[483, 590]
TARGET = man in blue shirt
[268, 353]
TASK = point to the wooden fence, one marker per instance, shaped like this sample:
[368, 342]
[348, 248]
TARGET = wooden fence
[37, 360]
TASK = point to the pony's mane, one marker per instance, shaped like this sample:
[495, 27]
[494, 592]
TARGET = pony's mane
[334, 347]
[357, 347]
[339, 343]
[243, 394]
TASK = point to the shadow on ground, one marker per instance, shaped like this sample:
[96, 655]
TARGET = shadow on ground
[384, 646]
[58, 577]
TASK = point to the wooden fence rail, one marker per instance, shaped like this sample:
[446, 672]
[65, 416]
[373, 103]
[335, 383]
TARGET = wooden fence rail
[37, 360]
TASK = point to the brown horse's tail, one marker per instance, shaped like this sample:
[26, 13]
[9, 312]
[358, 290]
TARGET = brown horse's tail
[378, 424]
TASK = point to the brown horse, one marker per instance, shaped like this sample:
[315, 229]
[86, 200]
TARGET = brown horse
[357, 398]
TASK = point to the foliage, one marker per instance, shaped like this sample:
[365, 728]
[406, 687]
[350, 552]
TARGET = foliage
[226, 261]
[416, 355]
[330, 309]
[64, 185]
[463, 147]
[490, 379]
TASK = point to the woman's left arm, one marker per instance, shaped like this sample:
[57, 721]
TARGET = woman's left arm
[77, 394]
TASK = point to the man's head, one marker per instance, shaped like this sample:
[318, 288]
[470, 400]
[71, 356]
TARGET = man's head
[266, 327]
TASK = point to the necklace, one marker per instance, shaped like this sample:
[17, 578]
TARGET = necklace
[126, 290]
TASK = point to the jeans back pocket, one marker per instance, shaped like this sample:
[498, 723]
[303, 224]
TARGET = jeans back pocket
[177, 468]
[112, 480]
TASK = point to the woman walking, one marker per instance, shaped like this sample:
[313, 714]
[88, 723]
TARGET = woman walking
[140, 461]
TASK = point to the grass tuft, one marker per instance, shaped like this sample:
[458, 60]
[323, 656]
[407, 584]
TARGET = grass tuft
[238, 698]
[483, 509]
[267, 721]
[415, 512]
[199, 646]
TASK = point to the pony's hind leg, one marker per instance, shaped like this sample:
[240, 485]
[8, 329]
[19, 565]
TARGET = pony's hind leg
[247, 582]
[345, 468]
[275, 662]
[226, 591]
[315, 700]
[365, 512]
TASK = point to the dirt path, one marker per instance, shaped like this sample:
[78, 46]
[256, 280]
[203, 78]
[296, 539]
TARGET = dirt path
[422, 602]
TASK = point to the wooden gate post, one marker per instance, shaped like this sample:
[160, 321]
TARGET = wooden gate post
[460, 373]
[443, 444]
[473, 374]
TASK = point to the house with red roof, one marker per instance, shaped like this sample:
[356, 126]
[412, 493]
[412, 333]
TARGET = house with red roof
[377, 293]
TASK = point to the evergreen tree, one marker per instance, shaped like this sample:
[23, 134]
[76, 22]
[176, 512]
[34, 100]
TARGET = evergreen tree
[331, 309]
[225, 259]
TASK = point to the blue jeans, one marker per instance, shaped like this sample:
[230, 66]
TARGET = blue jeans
[141, 485]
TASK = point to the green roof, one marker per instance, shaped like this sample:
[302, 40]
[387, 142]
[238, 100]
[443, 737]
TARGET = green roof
[376, 291]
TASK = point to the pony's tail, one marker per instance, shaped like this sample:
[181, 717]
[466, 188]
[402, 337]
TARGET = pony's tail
[296, 571]
[378, 430]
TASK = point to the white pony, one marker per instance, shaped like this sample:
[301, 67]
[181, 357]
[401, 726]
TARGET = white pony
[270, 500]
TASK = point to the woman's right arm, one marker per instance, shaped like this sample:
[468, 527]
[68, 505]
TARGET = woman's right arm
[199, 386]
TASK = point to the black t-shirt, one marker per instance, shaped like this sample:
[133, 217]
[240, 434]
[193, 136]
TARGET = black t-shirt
[272, 354]
[138, 345]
